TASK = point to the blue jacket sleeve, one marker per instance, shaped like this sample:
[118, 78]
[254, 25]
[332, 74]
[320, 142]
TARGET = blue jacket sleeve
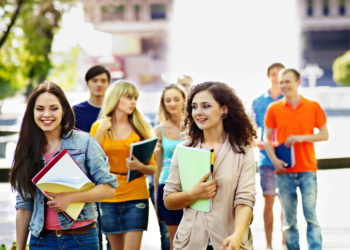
[27, 203]
[97, 162]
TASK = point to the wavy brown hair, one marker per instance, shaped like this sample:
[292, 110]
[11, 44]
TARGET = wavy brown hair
[239, 127]
[28, 160]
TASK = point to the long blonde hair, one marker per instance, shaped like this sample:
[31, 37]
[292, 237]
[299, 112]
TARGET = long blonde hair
[111, 100]
[163, 113]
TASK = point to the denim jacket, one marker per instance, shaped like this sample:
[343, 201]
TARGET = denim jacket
[92, 160]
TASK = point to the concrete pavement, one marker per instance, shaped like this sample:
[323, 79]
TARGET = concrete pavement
[332, 209]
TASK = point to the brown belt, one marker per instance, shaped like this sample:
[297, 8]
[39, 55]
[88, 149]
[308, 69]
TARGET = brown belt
[80, 230]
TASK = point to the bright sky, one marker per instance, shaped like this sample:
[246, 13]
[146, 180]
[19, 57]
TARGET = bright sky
[233, 41]
[75, 31]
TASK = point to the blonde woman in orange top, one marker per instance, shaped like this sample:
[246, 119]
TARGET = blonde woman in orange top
[125, 216]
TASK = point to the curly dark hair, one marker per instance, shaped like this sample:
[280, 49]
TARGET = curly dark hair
[239, 127]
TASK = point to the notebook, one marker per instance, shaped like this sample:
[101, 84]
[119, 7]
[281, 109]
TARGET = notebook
[286, 154]
[63, 175]
[143, 151]
[194, 163]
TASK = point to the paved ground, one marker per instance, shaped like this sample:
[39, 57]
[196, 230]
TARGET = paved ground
[332, 209]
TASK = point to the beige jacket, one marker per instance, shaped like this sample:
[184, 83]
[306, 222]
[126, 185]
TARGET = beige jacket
[235, 177]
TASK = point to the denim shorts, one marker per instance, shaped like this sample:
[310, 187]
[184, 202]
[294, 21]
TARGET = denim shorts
[267, 180]
[122, 217]
[66, 241]
[170, 217]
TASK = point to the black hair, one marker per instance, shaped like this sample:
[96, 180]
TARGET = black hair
[95, 71]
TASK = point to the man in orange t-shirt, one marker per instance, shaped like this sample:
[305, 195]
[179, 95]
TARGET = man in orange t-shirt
[294, 119]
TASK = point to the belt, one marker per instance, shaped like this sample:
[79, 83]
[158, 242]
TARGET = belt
[80, 230]
[119, 173]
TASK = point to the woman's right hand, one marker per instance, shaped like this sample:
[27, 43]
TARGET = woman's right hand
[202, 189]
[105, 123]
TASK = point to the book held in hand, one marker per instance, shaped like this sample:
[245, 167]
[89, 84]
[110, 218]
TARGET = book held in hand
[63, 175]
[286, 154]
[194, 163]
[143, 151]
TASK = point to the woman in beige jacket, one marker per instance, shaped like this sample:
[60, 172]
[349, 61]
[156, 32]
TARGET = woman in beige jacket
[215, 118]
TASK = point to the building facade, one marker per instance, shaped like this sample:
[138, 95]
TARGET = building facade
[139, 30]
[325, 35]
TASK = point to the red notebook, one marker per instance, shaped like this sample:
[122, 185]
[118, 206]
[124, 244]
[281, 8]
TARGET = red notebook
[63, 175]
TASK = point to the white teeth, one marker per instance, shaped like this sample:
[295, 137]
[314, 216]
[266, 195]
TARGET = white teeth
[47, 121]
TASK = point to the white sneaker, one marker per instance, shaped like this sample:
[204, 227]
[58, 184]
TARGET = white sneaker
[284, 247]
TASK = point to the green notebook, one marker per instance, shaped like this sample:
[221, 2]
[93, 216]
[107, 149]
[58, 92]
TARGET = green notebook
[194, 163]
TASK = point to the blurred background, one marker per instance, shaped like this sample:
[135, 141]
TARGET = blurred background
[153, 42]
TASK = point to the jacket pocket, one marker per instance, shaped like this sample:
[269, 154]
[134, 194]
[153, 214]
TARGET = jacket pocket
[79, 158]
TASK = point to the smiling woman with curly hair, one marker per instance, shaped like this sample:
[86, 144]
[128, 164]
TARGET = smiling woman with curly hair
[237, 123]
[215, 118]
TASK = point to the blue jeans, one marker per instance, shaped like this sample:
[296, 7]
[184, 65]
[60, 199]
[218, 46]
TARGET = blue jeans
[122, 217]
[164, 236]
[287, 184]
[66, 241]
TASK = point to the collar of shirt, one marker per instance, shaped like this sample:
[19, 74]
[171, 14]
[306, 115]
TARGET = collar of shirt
[285, 103]
[268, 95]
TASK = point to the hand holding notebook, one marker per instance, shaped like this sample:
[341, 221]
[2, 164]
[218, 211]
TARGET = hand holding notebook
[60, 202]
[196, 169]
[133, 163]
[285, 154]
[143, 152]
[63, 175]
[203, 189]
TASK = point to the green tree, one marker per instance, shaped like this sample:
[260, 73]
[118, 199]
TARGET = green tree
[25, 53]
[341, 69]
[64, 70]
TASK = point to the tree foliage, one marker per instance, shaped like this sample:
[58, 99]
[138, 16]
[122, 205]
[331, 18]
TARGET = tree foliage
[341, 69]
[25, 54]
[64, 70]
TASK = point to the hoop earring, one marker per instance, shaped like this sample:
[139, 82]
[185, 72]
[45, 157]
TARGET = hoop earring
[223, 115]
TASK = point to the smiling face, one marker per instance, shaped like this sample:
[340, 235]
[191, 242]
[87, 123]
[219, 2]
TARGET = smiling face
[289, 84]
[127, 104]
[98, 85]
[173, 101]
[206, 111]
[48, 113]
